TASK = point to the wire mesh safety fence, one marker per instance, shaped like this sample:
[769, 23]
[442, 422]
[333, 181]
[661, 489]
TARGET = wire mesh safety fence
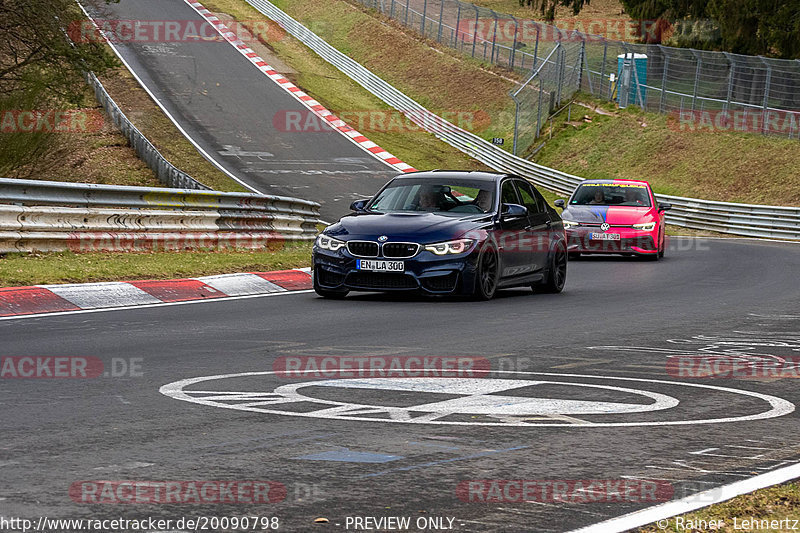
[701, 89]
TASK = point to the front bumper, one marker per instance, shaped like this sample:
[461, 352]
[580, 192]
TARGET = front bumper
[632, 241]
[425, 272]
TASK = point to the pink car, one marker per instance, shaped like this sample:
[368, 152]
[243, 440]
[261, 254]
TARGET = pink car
[614, 216]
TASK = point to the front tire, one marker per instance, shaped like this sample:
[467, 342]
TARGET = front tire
[487, 273]
[556, 275]
[663, 248]
[331, 294]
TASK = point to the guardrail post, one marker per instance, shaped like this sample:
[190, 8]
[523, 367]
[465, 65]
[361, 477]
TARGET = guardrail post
[767, 84]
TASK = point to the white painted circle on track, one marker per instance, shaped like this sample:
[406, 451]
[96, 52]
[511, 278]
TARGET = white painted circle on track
[474, 397]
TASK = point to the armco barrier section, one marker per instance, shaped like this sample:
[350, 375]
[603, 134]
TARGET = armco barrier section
[165, 171]
[51, 216]
[740, 219]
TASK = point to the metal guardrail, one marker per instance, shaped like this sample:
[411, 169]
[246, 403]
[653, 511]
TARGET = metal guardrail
[49, 216]
[739, 219]
[165, 171]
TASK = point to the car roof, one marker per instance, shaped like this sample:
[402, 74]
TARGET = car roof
[455, 174]
[591, 182]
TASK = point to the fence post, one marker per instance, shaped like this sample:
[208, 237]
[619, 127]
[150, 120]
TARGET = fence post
[663, 79]
[581, 61]
[539, 110]
[458, 21]
[475, 33]
[514, 46]
[561, 60]
[696, 77]
[441, 16]
[624, 81]
[516, 121]
[536, 48]
[405, 23]
[424, 14]
[494, 35]
[767, 83]
[603, 67]
[731, 76]
[391, 10]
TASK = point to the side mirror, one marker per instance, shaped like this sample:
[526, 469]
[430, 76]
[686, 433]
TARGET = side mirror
[358, 205]
[509, 211]
[560, 203]
[664, 206]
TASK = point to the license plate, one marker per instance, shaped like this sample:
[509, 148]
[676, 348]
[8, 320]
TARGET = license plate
[380, 266]
[604, 236]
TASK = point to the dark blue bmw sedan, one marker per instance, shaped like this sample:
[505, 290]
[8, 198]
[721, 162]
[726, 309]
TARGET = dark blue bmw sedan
[444, 232]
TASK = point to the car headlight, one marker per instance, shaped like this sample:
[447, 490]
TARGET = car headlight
[329, 243]
[570, 224]
[647, 226]
[458, 246]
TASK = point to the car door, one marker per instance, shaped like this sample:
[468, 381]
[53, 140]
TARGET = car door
[515, 260]
[537, 233]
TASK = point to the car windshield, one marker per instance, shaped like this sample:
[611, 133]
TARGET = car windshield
[624, 194]
[452, 196]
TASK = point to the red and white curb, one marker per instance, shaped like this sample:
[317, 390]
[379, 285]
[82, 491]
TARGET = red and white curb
[43, 299]
[309, 102]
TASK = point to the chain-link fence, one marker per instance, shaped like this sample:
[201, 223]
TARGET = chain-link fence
[711, 90]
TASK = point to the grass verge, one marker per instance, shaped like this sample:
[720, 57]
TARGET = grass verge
[67, 267]
[777, 503]
[100, 154]
[599, 14]
[603, 141]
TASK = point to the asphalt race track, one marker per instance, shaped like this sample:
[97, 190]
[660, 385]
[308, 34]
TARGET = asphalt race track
[227, 106]
[601, 405]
